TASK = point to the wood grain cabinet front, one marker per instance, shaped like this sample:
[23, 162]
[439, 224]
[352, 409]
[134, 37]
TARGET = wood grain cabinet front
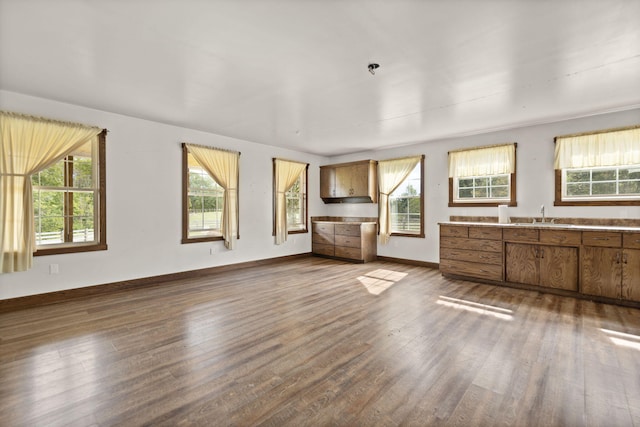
[540, 265]
[354, 182]
[350, 240]
[611, 265]
[471, 251]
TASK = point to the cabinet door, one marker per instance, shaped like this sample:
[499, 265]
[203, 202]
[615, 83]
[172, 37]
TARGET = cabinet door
[522, 263]
[559, 267]
[601, 271]
[631, 274]
[327, 182]
[352, 180]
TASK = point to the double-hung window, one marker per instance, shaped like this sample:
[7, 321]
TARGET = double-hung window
[69, 201]
[598, 168]
[289, 198]
[400, 201]
[210, 194]
[483, 176]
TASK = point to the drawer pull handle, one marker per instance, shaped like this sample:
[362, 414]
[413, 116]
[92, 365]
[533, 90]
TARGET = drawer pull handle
[618, 258]
[624, 258]
[637, 240]
[600, 238]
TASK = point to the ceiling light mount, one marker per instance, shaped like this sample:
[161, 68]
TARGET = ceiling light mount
[373, 67]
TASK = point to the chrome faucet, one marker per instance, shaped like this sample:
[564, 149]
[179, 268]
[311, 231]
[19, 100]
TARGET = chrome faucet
[542, 212]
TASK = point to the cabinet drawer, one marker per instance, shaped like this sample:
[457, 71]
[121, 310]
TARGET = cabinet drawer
[351, 253]
[562, 237]
[348, 229]
[349, 241]
[491, 233]
[520, 234]
[471, 269]
[319, 248]
[326, 239]
[631, 240]
[453, 231]
[471, 244]
[472, 256]
[322, 227]
[602, 238]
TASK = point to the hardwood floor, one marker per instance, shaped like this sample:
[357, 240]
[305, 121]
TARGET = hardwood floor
[321, 342]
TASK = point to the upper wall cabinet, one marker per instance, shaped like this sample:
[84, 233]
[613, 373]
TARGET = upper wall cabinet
[354, 182]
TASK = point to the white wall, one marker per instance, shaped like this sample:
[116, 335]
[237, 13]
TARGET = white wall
[535, 180]
[144, 215]
[144, 196]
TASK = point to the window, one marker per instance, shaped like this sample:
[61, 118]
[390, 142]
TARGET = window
[289, 198]
[69, 202]
[483, 176]
[296, 198]
[599, 168]
[406, 204]
[210, 207]
[400, 201]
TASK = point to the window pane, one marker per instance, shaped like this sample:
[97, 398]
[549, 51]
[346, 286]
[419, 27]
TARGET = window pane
[578, 176]
[603, 188]
[499, 192]
[49, 217]
[480, 193]
[53, 176]
[466, 193]
[481, 182]
[82, 172]
[604, 175]
[500, 180]
[405, 204]
[485, 188]
[630, 187]
[578, 189]
[83, 219]
[465, 183]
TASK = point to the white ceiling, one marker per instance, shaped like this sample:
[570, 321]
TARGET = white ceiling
[293, 73]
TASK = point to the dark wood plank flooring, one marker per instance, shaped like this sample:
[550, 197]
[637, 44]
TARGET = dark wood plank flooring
[321, 342]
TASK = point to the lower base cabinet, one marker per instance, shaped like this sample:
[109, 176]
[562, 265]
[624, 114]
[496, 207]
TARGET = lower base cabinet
[539, 265]
[611, 272]
[354, 241]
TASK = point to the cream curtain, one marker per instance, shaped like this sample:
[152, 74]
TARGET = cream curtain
[28, 145]
[391, 173]
[222, 166]
[616, 148]
[286, 173]
[482, 161]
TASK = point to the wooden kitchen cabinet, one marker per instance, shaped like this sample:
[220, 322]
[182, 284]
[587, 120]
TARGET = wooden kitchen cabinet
[354, 241]
[548, 266]
[611, 269]
[354, 182]
[471, 251]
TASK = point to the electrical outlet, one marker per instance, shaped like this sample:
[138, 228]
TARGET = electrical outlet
[54, 269]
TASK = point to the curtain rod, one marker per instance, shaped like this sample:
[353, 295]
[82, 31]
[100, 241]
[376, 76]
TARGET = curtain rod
[483, 147]
[596, 132]
[402, 158]
[46, 120]
[291, 161]
[211, 148]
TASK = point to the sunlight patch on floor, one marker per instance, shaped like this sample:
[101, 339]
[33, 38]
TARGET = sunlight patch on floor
[623, 339]
[474, 307]
[378, 281]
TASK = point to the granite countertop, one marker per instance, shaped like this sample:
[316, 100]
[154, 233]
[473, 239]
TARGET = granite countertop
[546, 226]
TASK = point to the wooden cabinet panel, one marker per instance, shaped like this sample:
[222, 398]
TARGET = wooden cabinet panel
[559, 267]
[631, 240]
[631, 274]
[351, 253]
[561, 237]
[601, 271]
[471, 244]
[520, 234]
[471, 269]
[323, 239]
[348, 229]
[522, 263]
[602, 238]
[489, 233]
[327, 182]
[323, 249]
[454, 231]
[349, 241]
[471, 256]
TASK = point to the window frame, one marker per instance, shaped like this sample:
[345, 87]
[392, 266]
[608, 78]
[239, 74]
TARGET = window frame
[421, 233]
[559, 183]
[305, 204]
[101, 221]
[512, 201]
[185, 204]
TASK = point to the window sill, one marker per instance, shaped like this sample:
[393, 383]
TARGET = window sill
[480, 204]
[202, 239]
[419, 235]
[70, 249]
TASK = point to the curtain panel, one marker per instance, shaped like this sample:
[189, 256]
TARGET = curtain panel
[28, 145]
[615, 148]
[285, 175]
[482, 161]
[391, 173]
[223, 167]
